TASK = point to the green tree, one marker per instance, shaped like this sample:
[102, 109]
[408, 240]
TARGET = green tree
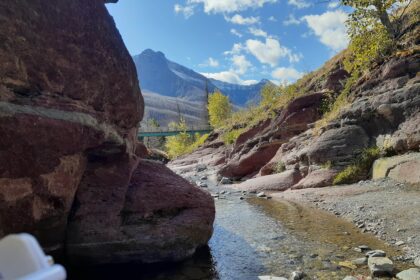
[219, 109]
[370, 11]
[371, 32]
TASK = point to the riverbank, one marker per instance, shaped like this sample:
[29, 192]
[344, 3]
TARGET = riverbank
[383, 208]
[329, 222]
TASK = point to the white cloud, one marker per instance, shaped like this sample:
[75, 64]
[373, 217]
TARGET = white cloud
[187, 10]
[300, 4]
[210, 62]
[291, 20]
[270, 51]
[333, 5]
[286, 74]
[258, 32]
[236, 32]
[272, 18]
[238, 19]
[330, 28]
[240, 64]
[229, 6]
[229, 77]
[236, 49]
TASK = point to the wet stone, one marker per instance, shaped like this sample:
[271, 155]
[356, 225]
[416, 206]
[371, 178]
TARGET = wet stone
[409, 274]
[380, 266]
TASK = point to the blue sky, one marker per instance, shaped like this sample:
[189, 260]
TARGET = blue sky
[238, 41]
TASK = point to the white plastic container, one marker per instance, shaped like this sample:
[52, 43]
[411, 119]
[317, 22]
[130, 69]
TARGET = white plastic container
[22, 258]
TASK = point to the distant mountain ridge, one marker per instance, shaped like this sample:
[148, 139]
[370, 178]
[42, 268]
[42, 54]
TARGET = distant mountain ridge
[165, 78]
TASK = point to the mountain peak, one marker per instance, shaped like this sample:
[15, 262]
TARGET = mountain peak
[152, 53]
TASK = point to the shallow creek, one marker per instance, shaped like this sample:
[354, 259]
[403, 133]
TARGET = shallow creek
[257, 236]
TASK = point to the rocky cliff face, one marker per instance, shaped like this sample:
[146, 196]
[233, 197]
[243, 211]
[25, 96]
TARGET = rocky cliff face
[70, 105]
[289, 151]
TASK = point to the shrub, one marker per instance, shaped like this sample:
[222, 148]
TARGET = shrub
[279, 167]
[183, 143]
[359, 170]
[230, 137]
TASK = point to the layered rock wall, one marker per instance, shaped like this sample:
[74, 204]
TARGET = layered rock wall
[70, 106]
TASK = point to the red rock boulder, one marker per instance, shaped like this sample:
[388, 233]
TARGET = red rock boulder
[161, 217]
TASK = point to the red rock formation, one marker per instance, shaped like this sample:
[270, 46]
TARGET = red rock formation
[160, 217]
[262, 142]
[69, 110]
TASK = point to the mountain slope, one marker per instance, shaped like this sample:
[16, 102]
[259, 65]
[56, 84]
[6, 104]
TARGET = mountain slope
[162, 76]
[172, 90]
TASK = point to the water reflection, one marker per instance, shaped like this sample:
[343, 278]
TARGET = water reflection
[259, 237]
[200, 267]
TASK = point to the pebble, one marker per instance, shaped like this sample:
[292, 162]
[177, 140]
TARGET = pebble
[375, 253]
[200, 168]
[380, 266]
[203, 178]
[242, 198]
[409, 274]
[364, 247]
[201, 184]
[261, 194]
[297, 275]
[225, 181]
[359, 261]
[399, 243]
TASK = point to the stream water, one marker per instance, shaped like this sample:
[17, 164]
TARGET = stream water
[254, 237]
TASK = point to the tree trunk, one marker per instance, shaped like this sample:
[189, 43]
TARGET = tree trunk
[384, 17]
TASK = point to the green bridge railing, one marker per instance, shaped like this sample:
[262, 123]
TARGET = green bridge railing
[168, 132]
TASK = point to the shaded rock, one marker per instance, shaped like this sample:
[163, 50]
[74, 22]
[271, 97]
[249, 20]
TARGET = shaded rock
[375, 253]
[409, 274]
[259, 128]
[337, 145]
[380, 266]
[250, 156]
[69, 97]
[160, 217]
[250, 162]
[225, 181]
[275, 182]
[335, 80]
[403, 168]
[317, 179]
